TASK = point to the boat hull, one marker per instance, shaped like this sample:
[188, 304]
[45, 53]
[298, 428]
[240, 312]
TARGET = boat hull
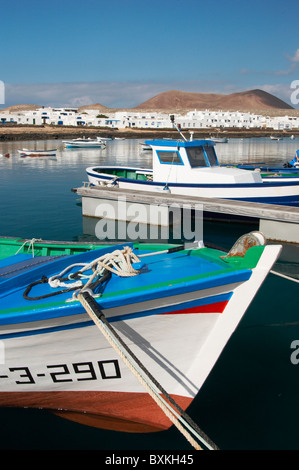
[37, 153]
[269, 169]
[84, 143]
[86, 376]
[53, 355]
[96, 145]
[10, 246]
[272, 191]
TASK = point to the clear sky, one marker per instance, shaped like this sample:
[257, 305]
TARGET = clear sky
[122, 52]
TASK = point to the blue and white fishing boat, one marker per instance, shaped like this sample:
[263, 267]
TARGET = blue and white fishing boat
[191, 168]
[84, 335]
[287, 172]
[290, 167]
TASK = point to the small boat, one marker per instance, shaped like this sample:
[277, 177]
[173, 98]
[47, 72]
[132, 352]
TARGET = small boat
[219, 140]
[191, 168]
[10, 246]
[37, 153]
[84, 143]
[273, 137]
[95, 336]
[289, 167]
[6, 155]
[105, 139]
[145, 146]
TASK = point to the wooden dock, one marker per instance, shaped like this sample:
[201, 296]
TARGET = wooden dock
[277, 222]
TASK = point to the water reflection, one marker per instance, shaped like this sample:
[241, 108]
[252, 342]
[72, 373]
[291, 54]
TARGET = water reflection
[257, 150]
[129, 152]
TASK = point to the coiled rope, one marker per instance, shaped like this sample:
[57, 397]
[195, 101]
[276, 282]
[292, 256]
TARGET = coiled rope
[118, 262]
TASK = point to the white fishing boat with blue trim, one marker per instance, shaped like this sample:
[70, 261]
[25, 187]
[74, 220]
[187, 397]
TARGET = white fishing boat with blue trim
[84, 143]
[109, 337]
[191, 168]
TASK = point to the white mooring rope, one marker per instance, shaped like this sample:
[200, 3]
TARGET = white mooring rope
[31, 244]
[289, 278]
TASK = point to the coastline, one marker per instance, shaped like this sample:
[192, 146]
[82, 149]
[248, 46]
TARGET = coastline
[46, 132]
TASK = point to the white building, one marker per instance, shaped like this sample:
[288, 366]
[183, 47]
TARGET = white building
[148, 120]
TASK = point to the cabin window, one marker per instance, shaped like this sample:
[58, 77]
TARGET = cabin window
[171, 157]
[196, 156]
[211, 156]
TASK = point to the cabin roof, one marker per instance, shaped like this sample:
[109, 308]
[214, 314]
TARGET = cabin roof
[179, 143]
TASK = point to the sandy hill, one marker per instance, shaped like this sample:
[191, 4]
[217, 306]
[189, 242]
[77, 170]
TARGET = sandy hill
[21, 107]
[243, 101]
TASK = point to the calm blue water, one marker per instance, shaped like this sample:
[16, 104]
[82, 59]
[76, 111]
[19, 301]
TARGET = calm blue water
[250, 399]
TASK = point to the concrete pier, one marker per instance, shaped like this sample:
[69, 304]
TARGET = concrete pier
[280, 223]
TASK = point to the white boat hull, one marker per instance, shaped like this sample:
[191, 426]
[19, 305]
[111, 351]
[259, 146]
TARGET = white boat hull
[271, 191]
[84, 145]
[37, 153]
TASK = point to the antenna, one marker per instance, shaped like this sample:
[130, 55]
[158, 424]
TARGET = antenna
[178, 127]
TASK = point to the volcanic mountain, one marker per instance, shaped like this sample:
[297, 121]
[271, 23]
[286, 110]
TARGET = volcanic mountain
[244, 101]
[174, 101]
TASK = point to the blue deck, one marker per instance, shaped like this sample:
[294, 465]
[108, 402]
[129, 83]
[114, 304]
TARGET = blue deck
[162, 275]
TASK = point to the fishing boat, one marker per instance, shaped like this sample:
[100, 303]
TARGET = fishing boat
[289, 167]
[10, 246]
[85, 143]
[37, 153]
[219, 140]
[105, 139]
[287, 172]
[122, 338]
[191, 168]
[145, 146]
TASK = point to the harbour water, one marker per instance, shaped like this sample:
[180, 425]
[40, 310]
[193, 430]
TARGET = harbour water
[250, 400]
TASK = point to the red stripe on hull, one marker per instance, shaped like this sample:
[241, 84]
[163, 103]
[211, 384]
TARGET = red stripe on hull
[116, 411]
[217, 307]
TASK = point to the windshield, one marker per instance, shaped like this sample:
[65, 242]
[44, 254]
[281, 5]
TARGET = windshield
[211, 156]
[202, 156]
[196, 156]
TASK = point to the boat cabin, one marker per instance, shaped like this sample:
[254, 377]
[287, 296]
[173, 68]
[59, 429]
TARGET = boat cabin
[192, 162]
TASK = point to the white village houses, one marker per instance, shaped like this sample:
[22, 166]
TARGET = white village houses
[151, 120]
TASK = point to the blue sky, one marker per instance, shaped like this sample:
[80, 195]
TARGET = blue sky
[122, 52]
